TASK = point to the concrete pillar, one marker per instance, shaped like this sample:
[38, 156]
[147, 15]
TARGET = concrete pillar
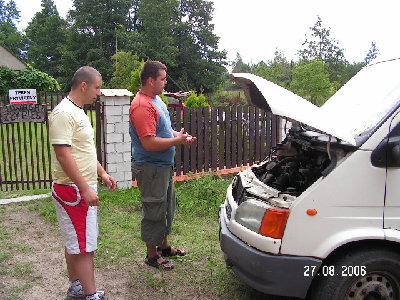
[116, 135]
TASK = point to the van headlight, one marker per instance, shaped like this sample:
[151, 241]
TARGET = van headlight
[262, 218]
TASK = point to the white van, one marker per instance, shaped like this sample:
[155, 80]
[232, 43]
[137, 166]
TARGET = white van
[320, 216]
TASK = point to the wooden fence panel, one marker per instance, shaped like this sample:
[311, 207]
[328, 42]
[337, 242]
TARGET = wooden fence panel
[245, 135]
[214, 139]
[234, 134]
[207, 138]
[221, 138]
[251, 139]
[228, 137]
[186, 153]
[240, 132]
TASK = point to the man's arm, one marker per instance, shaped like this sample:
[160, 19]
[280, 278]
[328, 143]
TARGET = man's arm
[154, 143]
[107, 179]
[67, 162]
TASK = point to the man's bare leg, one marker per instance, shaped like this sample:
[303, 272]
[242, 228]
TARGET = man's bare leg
[152, 252]
[81, 266]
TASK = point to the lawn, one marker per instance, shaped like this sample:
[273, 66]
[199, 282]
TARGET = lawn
[195, 230]
[201, 274]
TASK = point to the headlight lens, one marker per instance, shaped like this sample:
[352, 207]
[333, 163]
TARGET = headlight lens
[250, 214]
[262, 218]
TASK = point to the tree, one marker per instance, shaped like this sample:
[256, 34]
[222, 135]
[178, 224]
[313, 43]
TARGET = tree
[278, 70]
[372, 53]
[183, 39]
[91, 38]
[45, 38]
[125, 64]
[311, 81]
[320, 46]
[157, 22]
[135, 78]
[200, 63]
[239, 66]
[10, 37]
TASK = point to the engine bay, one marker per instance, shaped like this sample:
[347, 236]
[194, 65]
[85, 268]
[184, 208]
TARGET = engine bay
[297, 162]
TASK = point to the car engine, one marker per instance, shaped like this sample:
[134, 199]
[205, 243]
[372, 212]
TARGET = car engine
[296, 163]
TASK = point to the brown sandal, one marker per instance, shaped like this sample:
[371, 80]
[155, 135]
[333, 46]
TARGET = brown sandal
[153, 262]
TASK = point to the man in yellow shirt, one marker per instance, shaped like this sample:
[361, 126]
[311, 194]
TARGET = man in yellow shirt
[75, 169]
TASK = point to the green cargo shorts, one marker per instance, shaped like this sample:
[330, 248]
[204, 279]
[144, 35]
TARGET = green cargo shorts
[158, 201]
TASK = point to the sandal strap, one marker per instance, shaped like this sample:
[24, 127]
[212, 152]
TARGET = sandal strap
[153, 262]
[168, 251]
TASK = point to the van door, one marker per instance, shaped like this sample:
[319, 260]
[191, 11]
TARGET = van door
[387, 155]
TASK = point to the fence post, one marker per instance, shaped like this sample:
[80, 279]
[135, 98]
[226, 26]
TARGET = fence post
[116, 135]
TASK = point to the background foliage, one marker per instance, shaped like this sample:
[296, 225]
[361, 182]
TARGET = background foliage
[122, 34]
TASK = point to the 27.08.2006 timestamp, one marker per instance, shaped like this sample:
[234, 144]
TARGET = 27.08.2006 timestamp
[326, 270]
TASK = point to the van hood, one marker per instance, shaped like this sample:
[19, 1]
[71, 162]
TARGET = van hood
[273, 98]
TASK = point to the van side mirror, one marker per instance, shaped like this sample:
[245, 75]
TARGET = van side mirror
[387, 154]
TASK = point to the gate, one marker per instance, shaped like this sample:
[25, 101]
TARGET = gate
[25, 161]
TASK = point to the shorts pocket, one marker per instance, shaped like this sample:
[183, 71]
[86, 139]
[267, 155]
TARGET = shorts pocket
[153, 183]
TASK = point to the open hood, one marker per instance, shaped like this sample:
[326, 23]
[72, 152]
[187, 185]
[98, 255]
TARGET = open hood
[276, 99]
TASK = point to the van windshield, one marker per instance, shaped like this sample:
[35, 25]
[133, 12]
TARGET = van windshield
[366, 99]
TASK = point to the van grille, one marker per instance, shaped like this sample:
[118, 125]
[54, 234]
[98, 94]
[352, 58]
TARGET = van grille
[238, 191]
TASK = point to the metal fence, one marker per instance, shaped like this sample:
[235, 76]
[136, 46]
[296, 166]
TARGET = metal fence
[24, 147]
[227, 137]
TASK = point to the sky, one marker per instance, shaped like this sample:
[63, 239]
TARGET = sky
[257, 28]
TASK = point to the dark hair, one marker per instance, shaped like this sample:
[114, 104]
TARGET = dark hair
[84, 74]
[151, 69]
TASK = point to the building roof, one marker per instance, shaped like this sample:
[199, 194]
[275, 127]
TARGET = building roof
[10, 61]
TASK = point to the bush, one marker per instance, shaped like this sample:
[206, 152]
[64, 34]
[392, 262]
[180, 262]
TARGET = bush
[27, 79]
[7, 79]
[196, 100]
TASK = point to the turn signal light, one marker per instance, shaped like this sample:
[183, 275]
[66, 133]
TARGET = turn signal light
[311, 212]
[274, 222]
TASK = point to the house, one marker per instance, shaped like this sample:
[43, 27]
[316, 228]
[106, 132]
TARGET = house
[10, 61]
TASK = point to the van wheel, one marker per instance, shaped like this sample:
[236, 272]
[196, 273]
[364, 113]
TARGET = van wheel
[359, 275]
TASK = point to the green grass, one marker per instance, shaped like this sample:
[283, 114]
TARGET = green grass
[195, 230]
[21, 193]
[201, 273]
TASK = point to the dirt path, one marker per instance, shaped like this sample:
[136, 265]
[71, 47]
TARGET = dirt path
[39, 259]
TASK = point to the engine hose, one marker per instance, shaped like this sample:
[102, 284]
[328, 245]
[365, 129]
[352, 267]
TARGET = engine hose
[330, 167]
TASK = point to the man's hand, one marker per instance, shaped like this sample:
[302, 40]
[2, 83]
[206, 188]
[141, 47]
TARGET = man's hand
[110, 181]
[181, 136]
[90, 196]
[185, 138]
[190, 140]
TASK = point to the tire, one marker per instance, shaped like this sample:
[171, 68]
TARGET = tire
[359, 275]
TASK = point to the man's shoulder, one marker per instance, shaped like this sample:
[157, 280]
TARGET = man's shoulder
[64, 106]
[142, 102]
[66, 110]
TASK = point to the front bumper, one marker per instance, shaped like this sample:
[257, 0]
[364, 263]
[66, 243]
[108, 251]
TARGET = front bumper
[270, 274]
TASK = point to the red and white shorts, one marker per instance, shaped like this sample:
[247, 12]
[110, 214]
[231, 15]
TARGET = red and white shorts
[77, 220]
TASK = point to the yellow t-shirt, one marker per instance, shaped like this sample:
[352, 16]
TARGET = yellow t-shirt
[69, 125]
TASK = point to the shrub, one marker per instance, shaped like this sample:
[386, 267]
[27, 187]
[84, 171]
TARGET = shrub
[196, 100]
[28, 78]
